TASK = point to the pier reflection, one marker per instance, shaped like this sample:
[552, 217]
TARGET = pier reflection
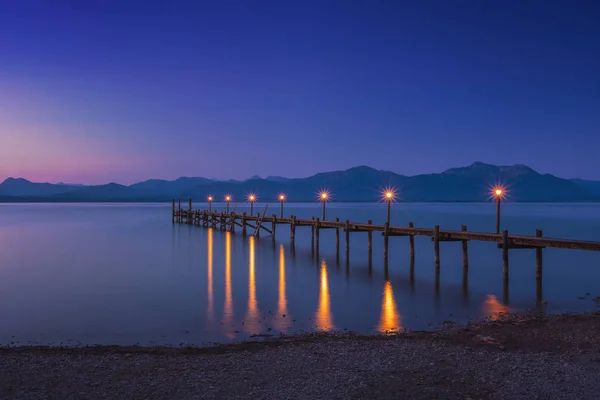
[493, 308]
[282, 320]
[389, 320]
[465, 285]
[228, 307]
[252, 320]
[210, 275]
[323, 316]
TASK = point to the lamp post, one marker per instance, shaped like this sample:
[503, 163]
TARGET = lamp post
[324, 196]
[281, 200]
[498, 192]
[210, 200]
[389, 196]
[251, 199]
[227, 201]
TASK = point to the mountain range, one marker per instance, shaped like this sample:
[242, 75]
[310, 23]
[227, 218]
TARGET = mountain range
[358, 184]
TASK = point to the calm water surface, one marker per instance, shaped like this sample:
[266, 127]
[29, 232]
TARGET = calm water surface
[123, 274]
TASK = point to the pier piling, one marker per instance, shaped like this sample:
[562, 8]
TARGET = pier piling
[465, 249]
[538, 269]
[347, 229]
[411, 239]
[312, 235]
[386, 237]
[436, 248]
[337, 241]
[370, 243]
[317, 235]
[505, 248]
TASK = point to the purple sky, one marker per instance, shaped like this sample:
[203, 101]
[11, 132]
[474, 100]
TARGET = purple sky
[97, 91]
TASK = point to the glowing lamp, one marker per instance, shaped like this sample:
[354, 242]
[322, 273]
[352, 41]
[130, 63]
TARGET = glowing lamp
[281, 200]
[388, 196]
[251, 199]
[499, 193]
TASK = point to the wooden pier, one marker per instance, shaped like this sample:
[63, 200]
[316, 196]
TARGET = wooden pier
[262, 222]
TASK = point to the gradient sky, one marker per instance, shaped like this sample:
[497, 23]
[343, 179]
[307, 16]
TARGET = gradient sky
[95, 91]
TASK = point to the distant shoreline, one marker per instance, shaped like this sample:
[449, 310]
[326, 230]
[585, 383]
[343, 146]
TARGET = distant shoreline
[501, 324]
[184, 200]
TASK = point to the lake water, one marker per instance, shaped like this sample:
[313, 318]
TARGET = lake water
[77, 274]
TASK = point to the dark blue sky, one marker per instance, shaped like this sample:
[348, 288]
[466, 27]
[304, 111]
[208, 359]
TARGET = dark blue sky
[96, 91]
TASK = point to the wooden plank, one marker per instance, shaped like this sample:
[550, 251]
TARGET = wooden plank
[446, 237]
[232, 217]
[512, 246]
[331, 225]
[398, 234]
[259, 223]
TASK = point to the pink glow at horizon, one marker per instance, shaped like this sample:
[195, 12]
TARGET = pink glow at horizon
[54, 156]
[40, 142]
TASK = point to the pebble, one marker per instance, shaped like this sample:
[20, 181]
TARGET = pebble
[320, 366]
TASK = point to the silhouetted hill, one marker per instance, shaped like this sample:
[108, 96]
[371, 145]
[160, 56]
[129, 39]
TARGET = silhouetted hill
[359, 184]
[472, 182]
[176, 187]
[273, 178]
[591, 186]
[23, 187]
[108, 192]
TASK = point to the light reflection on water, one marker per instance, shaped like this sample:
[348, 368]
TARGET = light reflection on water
[209, 252]
[390, 319]
[228, 307]
[493, 308]
[123, 274]
[282, 321]
[252, 320]
[323, 316]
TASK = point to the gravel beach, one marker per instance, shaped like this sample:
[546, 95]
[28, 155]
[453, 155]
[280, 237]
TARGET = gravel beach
[517, 357]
